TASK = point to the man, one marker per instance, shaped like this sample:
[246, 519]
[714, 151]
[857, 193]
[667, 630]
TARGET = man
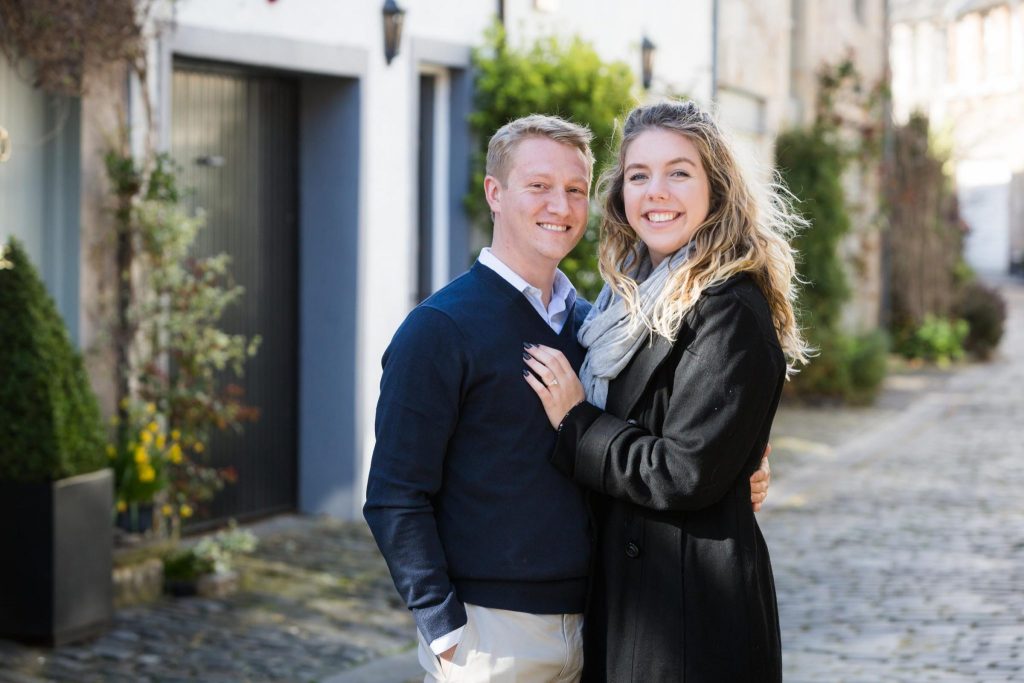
[487, 543]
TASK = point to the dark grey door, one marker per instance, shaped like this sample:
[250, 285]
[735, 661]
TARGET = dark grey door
[234, 133]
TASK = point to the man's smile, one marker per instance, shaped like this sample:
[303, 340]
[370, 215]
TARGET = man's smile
[554, 227]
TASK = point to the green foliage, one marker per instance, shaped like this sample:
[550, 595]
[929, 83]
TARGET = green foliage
[847, 368]
[551, 76]
[811, 165]
[984, 309]
[937, 340]
[211, 555]
[50, 424]
[180, 359]
[812, 162]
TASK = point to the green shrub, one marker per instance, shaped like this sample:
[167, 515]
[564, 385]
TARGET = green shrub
[847, 368]
[564, 78]
[937, 340]
[984, 309]
[811, 165]
[50, 425]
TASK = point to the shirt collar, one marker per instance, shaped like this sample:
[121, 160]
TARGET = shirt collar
[561, 290]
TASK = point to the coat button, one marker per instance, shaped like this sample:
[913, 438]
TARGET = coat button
[632, 550]
[631, 422]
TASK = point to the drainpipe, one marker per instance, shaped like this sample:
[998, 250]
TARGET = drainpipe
[885, 307]
[714, 51]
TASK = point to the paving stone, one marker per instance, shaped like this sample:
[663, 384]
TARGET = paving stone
[909, 555]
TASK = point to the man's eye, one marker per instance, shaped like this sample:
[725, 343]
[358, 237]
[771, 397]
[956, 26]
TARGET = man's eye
[577, 190]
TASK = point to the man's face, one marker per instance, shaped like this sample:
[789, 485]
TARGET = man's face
[540, 211]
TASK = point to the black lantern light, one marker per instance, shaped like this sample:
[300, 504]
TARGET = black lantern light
[393, 18]
[647, 49]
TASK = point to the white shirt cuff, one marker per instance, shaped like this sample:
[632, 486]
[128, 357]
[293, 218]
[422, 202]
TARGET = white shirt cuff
[446, 642]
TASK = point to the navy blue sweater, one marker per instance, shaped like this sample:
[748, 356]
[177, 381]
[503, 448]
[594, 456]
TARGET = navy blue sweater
[461, 498]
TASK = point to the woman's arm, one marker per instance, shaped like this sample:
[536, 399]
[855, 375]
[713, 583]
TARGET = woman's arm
[723, 390]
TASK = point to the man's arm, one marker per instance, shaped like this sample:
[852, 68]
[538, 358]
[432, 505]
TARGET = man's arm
[417, 413]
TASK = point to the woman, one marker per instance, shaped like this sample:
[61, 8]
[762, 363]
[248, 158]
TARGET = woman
[688, 349]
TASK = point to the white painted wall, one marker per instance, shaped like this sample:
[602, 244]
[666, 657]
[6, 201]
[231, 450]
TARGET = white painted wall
[680, 30]
[983, 188]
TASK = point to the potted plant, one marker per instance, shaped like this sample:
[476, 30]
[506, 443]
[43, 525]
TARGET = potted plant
[207, 568]
[55, 492]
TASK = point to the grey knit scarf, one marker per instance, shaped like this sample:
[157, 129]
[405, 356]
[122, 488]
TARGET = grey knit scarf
[610, 339]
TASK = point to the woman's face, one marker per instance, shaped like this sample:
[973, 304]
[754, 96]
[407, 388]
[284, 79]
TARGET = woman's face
[665, 190]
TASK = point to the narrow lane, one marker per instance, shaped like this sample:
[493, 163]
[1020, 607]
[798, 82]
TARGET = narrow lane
[900, 557]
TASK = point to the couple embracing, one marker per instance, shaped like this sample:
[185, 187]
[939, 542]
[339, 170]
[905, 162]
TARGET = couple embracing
[564, 491]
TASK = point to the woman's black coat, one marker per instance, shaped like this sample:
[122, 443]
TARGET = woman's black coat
[682, 585]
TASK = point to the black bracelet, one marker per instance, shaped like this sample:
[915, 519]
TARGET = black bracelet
[568, 413]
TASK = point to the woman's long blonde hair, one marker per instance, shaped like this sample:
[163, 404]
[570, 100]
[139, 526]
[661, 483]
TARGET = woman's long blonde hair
[747, 229]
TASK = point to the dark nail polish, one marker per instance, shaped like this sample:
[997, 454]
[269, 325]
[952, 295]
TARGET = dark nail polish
[527, 345]
[526, 373]
[526, 356]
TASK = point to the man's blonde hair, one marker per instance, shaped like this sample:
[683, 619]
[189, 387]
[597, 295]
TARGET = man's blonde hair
[503, 143]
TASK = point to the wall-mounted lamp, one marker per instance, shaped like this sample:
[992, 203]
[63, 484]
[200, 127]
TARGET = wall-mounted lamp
[647, 49]
[5, 145]
[393, 18]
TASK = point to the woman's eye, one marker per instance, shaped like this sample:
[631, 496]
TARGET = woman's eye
[637, 176]
[680, 174]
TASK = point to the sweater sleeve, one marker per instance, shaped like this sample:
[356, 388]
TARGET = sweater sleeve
[723, 390]
[417, 413]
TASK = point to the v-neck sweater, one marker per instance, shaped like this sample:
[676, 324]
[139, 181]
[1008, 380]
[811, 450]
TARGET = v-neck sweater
[461, 497]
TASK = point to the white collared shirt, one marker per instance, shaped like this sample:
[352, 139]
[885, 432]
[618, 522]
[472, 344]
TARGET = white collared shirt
[563, 294]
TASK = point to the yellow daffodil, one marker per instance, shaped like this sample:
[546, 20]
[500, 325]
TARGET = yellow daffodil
[111, 451]
[121, 506]
[124, 403]
[141, 455]
[176, 435]
[150, 408]
[147, 474]
[153, 427]
[167, 510]
[146, 437]
[185, 511]
[174, 455]
[161, 441]
[199, 447]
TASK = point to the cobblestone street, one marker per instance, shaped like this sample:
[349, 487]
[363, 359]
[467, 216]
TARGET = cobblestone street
[896, 533]
[898, 540]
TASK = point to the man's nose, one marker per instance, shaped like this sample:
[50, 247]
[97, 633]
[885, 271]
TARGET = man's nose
[558, 204]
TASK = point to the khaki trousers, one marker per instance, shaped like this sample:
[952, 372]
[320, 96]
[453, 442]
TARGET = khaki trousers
[511, 647]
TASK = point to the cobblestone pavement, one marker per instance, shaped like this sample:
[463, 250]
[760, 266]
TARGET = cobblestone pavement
[896, 532]
[316, 600]
[897, 539]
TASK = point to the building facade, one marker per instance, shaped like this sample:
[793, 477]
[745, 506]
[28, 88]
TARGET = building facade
[961, 62]
[336, 178]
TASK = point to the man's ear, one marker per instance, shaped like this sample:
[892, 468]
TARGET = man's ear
[493, 192]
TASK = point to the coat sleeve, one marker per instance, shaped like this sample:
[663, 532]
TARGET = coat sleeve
[724, 388]
[417, 412]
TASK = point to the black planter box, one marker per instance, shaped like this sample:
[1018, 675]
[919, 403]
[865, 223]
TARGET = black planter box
[56, 562]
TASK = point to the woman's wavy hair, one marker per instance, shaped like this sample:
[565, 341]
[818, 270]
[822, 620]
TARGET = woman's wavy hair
[747, 229]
